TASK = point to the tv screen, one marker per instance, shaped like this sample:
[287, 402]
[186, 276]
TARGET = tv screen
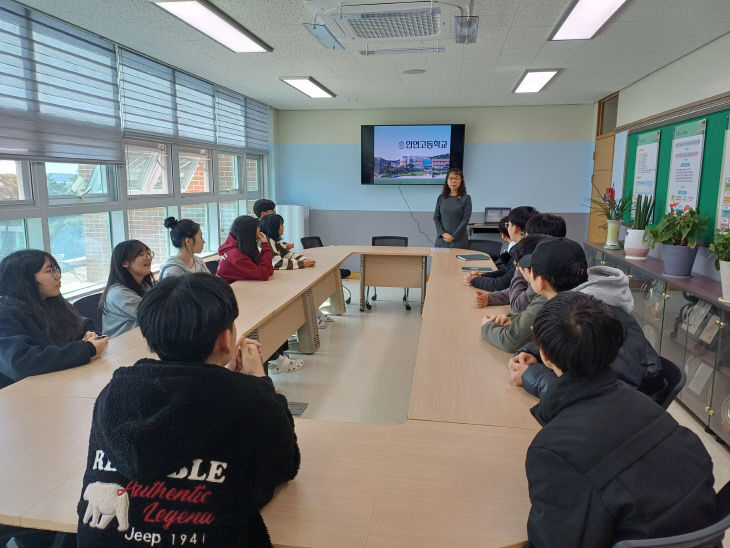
[410, 155]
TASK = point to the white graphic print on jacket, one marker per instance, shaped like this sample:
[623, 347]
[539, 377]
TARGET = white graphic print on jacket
[105, 503]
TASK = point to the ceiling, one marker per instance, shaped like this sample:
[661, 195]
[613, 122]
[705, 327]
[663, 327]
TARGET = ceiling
[645, 36]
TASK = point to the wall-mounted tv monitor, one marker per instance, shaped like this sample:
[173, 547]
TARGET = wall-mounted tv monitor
[410, 155]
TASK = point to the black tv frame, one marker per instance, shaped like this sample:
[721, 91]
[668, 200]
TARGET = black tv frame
[367, 151]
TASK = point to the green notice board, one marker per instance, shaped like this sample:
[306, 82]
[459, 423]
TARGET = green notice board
[711, 166]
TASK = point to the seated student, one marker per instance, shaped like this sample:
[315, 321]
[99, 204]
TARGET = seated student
[187, 237]
[240, 255]
[516, 295]
[264, 207]
[609, 464]
[242, 260]
[273, 227]
[40, 332]
[516, 221]
[183, 447]
[510, 332]
[559, 264]
[130, 277]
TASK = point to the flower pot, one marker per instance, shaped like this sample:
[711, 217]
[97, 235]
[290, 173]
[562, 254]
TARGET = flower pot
[678, 260]
[612, 235]
[725, 280]
[635, 246]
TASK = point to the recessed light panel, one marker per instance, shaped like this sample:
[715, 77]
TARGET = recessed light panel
[534, 81]
[586, 19]
[308, 86]
[211, 22]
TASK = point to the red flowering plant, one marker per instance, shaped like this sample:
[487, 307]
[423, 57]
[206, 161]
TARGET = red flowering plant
[608, 206]
[681, 226]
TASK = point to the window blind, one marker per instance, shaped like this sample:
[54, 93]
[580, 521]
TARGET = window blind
[231, 123]
[257, 125]
[58, 90]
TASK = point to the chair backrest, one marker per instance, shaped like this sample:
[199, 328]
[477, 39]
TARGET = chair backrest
[390, 240]
[709, 537]
[676, 379]
[88, 307]
[311, 241]
[487, 246]
[212, 266]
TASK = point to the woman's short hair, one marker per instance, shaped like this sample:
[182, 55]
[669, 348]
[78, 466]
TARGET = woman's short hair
[446, 191]
[270, 225]
[182, 316]
[180, 230]
[578, 333]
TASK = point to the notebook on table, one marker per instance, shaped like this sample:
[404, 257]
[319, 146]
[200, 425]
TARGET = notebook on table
[474, 257]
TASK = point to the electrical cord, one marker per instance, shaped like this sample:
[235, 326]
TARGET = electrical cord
[428, 238]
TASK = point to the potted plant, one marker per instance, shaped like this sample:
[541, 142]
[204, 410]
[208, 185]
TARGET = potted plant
[720, 248]
[614, 211]
[678, 232]
[634, 246]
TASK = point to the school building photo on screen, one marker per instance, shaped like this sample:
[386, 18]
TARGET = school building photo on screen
[411, 154]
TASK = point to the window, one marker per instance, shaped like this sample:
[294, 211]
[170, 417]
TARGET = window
[146, 225]
[249, 207]
[199, 214]
[252, 173]
[228, 173]
[194, 170]
[76, 180]
[12, 237]
[82, 246]
[227, 213]
[146, 169]
[13, 183]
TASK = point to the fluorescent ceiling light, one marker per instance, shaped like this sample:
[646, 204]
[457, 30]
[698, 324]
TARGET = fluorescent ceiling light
[308, 86]
[220, 27]
[585, 19]
[324, 35]
[402, 50]
[534, 80]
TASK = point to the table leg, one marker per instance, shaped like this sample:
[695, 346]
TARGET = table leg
[308, 334]
[423, 281]
[362, 283]
[337, 299]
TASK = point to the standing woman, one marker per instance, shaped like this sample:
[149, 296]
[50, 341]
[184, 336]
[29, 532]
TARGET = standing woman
[453, 211]
[130, 278]
[187, 237]
[40, 331]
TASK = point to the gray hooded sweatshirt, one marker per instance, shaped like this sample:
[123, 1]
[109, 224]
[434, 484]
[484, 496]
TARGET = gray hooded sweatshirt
[175, 266]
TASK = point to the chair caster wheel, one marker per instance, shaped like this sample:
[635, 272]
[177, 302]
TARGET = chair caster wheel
[375, 297]
[408, 307]
[348, 300]
[369, 306]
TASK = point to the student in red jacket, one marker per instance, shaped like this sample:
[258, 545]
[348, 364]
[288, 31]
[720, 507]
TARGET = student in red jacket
[242, 260]
[240, 255]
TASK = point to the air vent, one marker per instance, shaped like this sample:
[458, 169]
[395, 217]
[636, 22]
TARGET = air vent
[395, 24]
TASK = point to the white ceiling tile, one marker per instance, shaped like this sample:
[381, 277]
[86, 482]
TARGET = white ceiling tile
[527, 37]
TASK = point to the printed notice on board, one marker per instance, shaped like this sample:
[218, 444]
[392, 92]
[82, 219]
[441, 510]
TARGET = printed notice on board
[686, 165]
[723, 200]
[647, 155]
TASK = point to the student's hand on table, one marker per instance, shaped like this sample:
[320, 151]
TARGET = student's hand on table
[309, 262]
[248, 357]
[500, 319]
[518, 365]
[482, 298]
[470, 276]
[290, 246]
[100, 343]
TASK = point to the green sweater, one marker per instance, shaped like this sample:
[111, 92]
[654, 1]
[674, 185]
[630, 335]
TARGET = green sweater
[511, 338]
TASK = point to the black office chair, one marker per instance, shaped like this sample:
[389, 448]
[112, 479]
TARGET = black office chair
[212, 266]
[315, 241]
[394, 241]
[490, 247]
[88, 307]
[676, 379]
[710, 536]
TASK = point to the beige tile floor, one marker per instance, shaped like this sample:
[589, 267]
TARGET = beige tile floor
[363, 371]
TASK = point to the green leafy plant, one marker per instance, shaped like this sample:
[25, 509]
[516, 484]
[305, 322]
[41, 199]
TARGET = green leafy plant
[720, 247]
[608, 206]
[678, 227]
[644, 211]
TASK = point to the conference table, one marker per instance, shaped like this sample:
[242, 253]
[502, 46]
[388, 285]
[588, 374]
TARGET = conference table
[451, 475]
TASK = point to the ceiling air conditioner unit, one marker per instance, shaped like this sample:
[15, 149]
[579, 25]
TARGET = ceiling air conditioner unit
[385, 22]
